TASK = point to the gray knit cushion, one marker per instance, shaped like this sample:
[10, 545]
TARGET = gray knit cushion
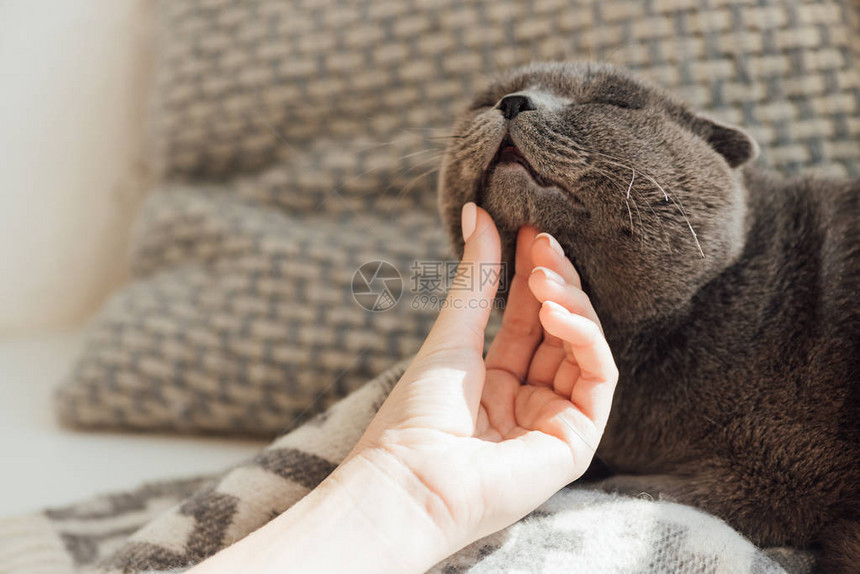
[295, 140]
[243, 319]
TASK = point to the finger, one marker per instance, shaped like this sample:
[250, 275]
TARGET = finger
[546, 252]
[548, 285]
[446, 379]
[566, 376]
[498, 398]
[521, 331]
[592, 392]
[466, 309]
[546, 360]
[539, 408]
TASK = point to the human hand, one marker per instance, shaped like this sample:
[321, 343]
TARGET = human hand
[480, 443]
[463, 446]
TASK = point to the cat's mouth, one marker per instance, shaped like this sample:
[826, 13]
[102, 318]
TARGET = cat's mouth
[509, 153]
[508, 156]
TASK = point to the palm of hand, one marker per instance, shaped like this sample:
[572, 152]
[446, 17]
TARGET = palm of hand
[531, 374]
[517, 409]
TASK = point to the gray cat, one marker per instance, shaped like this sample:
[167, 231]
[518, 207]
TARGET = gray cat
[729, 295]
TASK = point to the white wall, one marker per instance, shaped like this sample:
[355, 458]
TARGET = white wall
[74, 77]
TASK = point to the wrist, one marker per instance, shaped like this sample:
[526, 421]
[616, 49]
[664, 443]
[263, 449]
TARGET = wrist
[367, 516]
[404, 520]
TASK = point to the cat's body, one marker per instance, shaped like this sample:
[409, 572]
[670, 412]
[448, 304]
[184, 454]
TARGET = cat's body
[729, 296]
[750, 394]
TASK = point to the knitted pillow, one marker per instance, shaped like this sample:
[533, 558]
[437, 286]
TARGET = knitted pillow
[297, 140]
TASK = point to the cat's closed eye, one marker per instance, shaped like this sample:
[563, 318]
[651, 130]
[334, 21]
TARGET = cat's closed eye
[626, 97]
[622, 103]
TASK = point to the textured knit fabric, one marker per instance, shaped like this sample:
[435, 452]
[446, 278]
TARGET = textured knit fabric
[244, 320]
[315, 125]
[173, 525]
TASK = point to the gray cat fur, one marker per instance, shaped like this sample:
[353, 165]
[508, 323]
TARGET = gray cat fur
[728, 294]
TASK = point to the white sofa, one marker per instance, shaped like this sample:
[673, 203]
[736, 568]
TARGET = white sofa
[74, 78]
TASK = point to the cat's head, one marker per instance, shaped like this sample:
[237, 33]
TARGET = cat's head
[643, 193]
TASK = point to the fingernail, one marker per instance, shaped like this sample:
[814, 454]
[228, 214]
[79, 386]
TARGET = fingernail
[553, 244]
[549, 274]
[469, 220]
[556, 308]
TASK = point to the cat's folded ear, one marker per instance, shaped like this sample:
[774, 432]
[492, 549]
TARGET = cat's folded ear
[732, 143]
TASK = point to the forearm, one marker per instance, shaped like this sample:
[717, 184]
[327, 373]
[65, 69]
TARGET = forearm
[367, 517]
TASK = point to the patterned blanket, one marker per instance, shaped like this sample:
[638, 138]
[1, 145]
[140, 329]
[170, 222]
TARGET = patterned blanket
[172, 525]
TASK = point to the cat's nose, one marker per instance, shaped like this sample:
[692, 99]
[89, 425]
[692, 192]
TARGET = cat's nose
[514, 104]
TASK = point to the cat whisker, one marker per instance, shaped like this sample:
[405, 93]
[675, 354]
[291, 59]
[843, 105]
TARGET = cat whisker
[683, 212]
[422, 129]
[630, 213]
[610, 177]
[404, 170]
[662, 226]
[479, 124]
[632, 179]
[693, 231]
[666, 196]
[377, 145]
[615, 160]
[420, 152]
[641, 226]
[409, 186]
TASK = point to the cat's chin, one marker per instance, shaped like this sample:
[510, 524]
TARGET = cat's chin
[513, 198]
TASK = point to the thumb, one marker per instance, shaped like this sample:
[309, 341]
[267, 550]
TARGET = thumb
[466, 309]
[448, 372]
